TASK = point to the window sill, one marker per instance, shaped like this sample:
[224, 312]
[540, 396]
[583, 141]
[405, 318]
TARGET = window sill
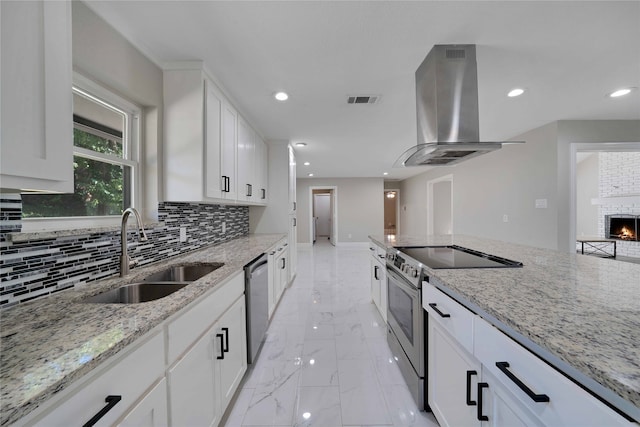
[25, 236]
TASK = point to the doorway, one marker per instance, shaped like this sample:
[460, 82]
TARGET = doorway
[323, 219]
[391, 212]
[440, 205]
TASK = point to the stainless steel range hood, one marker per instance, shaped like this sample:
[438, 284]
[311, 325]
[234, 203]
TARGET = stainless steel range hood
[447, 109]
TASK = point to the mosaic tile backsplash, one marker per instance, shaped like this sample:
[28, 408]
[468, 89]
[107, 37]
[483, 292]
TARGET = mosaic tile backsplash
[36, 268]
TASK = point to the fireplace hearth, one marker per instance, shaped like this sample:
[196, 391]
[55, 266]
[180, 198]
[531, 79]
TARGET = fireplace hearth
[622, 227]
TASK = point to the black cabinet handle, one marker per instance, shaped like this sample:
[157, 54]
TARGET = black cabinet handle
[111, 402]
[372, 249]
[228, 184]
[249, 190]
[226, 340]
[481, 417]
[221, 336]
[535, 397]
[295, 222]
[375, 272]
[264, 193]
[284, 263]
[469, 401]
[294, 206]
[433, 305]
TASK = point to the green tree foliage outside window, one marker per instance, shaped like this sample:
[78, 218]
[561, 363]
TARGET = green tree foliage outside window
[100, 187]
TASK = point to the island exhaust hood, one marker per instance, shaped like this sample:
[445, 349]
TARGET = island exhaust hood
[447, 109]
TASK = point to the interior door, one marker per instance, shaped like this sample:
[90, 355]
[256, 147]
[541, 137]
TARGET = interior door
[333, 219]
[323, 215]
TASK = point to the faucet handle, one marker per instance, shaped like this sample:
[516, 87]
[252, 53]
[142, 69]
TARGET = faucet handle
[132, 262]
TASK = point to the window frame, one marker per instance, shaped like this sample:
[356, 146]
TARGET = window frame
[132, 153]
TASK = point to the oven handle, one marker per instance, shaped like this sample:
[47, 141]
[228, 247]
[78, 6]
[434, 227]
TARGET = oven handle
[401, 283]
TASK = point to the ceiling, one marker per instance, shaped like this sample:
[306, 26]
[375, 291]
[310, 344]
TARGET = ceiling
[567, 54]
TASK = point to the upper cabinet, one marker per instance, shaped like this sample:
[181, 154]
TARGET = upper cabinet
[36, 117]
[209, 149]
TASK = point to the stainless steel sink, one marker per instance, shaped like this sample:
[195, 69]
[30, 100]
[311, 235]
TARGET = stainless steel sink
[137, 292]
[183, 273]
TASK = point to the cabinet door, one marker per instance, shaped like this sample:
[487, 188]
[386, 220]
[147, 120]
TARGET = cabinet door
[231, 350]
[453, 376]
[293, 248]
[193, 386]
[214, 182]
[292, 181]
[272, 281]
[375, 282]
[499, 406]
[36, 118]
[262, 172]
[246, 150]
[382, 274]
[229, 151]
[151, 411]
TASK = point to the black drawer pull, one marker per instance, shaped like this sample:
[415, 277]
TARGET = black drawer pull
[375, 272]
[468, 397]
[433, 305]
[226, 340]
[481, 417]
[221, 336]
[111, 402]
[535, 397]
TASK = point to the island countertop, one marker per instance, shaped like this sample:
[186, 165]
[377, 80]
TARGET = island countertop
[47, 344]
[580, 313]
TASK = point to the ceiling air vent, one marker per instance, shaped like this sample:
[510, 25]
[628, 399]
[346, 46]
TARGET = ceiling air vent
[363, 99]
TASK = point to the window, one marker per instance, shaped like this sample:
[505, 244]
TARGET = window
[105, 162]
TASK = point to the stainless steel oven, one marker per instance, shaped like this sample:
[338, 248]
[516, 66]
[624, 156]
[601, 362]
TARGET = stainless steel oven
[406, 332]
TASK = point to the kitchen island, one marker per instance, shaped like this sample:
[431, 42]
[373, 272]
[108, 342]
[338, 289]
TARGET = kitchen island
[580, 314]
[50, 343]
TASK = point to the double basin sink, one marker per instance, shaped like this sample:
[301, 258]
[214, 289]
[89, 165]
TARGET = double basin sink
[155, 286]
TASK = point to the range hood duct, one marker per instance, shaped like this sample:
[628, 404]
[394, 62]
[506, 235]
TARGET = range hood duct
[447, 109]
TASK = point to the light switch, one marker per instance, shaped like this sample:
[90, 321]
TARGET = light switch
[505, 218]
[541, 203]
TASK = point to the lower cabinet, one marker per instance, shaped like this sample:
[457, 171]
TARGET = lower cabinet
[478, 376]
[113, 393]
[379, 278]
[279, 273]
[452, 371]
[203, 381]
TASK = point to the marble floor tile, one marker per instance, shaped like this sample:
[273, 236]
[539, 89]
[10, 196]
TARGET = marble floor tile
[325, 361]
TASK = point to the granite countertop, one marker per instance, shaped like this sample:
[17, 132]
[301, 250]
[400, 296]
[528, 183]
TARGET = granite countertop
[46, 344]
[580, 313]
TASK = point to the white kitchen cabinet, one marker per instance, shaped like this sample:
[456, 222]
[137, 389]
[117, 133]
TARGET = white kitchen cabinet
[127, 377]
[194, 389]
[262, 171]
[281, 271]
[478, 376]
[293, 217]
[212, 154]
[452, 373]
[204, 378]
[150, 411]
[378, 278]
[231, 330]
[274, 272]
[36, 114]
[246, 162]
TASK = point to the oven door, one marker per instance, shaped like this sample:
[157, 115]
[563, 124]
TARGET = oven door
[406, 318]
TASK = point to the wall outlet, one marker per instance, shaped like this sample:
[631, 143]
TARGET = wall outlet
[505, 218]
[183, 234]
[224, 227]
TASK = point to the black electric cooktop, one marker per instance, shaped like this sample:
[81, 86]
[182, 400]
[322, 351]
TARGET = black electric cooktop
[454, 256]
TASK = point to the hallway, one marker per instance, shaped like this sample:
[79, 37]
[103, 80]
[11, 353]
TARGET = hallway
[325, 361]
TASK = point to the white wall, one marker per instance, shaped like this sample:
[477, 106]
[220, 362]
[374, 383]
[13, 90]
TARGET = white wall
[587, 189]
[103, 55]
[487, 187]
[360, 207]
[509, 181]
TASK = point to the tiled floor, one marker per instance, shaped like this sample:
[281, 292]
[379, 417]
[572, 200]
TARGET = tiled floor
[325, 361]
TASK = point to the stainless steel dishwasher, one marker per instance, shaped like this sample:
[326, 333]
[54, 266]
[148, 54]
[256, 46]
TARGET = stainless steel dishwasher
[256, 280]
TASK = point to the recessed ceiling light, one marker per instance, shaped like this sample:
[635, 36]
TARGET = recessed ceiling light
[301, 144]
[385, 173]
[306, 163]
[621, 92]
[310, 174]
[281, 96]
[515, 92]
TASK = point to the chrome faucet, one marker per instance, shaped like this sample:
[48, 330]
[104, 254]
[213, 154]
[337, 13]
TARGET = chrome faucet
[142, 237]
